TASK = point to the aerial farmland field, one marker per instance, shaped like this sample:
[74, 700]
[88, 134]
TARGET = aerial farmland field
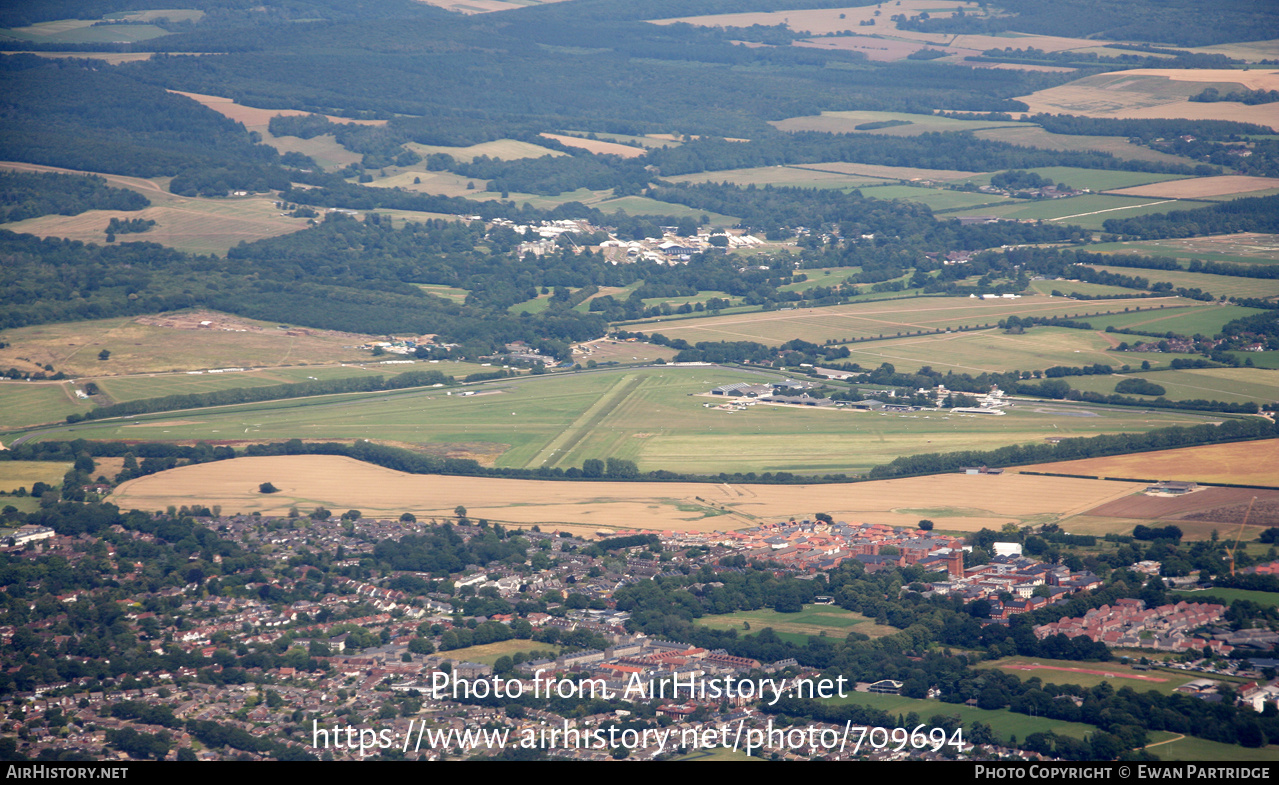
[881, 318]
[958, 502]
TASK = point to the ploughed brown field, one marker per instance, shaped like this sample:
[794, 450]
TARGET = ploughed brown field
[956, 502]
[1218, 505]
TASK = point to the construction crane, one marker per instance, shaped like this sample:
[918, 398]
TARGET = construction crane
[1239, 536]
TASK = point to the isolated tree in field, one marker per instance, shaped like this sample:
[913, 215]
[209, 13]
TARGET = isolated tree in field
[459, 511]
[408, 517]
[267, 487]
[104, 355]
[926, 525]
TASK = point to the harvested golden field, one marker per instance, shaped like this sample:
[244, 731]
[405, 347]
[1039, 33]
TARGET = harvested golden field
[957, 502]
[1148, 93]
[1245, 463]
[24, 474]
[173, 341]
[1202, 186]
[880, 49]
[254, 118]
[192, 224]
[506, 149]
[598, 146]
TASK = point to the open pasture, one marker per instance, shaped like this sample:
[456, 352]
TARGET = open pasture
[1214, 384]
[1071, 288]
[829, 620]
[1227, 596]
[1218, 285]
[1092, 179]
[826, 276]
[82, 31]
[988, 351]
[786, 176]
[24, 474]
[191, 224]
[1089, 211]
[1191, 748]
[130, 388]
[489, 653]
[31, 403]
[642, 205]
[1003, 722]
[937, 199]
[1247, 463]
[254, 118]
[1245, 247]
[598, 146]
[1201, 187]
[846, 122]
[887, 172]
[307, 481]
[1025, 135]
[174, 341]
[886, 318]
[323, 149]
[506, 149]
[1205, 319]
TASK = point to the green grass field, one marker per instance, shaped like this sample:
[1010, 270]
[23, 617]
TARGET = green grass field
[642, 205]
[1194, 320]
[989, 350]
[1226, 596]
[1241, 249]
[1259, 359]
[937, 198]
[1115, 674]
[1026, 135]
[785, 176]
[489, 653]
[651, 416]
[24, 474]
[1213, 384]
[82, 31]
[880, 318]
[1070, 288]
[826, 276]
[1217, 285]
[829, 620]
[27, 403]
[1190, 748]
[1003, 723]
[1092, 179]
[447, 292]
[131, 388]
[1089, 211]
[846, 123]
